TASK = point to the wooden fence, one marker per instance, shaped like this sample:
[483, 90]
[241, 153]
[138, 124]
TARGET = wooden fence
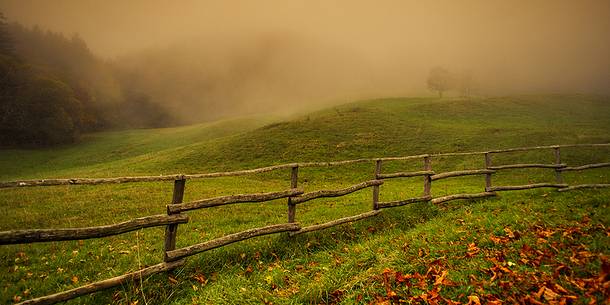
[175, 211]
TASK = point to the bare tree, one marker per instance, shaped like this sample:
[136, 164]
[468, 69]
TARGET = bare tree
[440, 80]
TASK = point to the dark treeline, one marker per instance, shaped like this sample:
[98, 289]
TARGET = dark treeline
[52, 89]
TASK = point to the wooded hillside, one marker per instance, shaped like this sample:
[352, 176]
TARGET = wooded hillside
[53, 89]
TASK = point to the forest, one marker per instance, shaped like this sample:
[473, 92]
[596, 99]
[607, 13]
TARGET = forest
[53, 89]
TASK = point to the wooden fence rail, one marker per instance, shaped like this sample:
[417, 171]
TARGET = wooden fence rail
[241, 198]
[461, 173]
[392, 204]
[525, 187]
[43, 235]
[335, 193]
[77, 181]
[499, 167]
[175, 257]
[335, 222]
[584, 186]
[405, 174]
[583, 167]
[229, 239]
[105, 284]
[462, 196]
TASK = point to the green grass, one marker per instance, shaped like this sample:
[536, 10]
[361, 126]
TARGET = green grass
[343, 264]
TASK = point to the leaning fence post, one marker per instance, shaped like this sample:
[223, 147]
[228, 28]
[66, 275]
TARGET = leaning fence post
[427, 178]
[376, 187]
[488, 175]
[172, 229]
[558, 177]
[292, 207]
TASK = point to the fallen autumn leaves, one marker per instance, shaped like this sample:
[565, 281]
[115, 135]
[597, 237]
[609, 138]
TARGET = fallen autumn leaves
[541, 265]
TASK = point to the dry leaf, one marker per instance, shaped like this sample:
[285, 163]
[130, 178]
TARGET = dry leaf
[550, 295]
[441, 278]
[473, 300]
[200, 278]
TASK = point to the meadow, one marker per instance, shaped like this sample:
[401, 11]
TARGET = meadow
[460, 250]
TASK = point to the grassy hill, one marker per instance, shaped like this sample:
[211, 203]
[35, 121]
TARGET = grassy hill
[374, 128]
[360, 262]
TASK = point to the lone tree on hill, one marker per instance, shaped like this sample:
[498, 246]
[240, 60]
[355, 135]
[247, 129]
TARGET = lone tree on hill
[439, 80]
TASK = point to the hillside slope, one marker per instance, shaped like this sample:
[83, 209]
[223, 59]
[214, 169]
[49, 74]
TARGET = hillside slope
[373, 128]
[106, 153]
[506, 247]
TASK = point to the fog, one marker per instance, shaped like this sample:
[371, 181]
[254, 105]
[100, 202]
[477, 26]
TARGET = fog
[211, 59]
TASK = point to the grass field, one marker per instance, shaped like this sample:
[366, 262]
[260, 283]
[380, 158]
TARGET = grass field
[401, 254]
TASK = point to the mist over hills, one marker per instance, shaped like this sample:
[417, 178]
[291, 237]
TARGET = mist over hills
[150, 63]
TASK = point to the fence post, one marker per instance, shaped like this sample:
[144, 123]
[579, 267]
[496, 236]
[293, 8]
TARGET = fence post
[376, 187]
[558, 177]
[171, 230]
[487, 176]
[292, 208]
[427, 178]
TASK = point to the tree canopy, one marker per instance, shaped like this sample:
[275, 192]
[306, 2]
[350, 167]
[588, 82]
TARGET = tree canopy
[440, 80]
[52, 89]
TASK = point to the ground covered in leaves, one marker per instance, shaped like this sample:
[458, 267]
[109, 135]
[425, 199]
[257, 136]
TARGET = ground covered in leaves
[535, 247]
[541, 265]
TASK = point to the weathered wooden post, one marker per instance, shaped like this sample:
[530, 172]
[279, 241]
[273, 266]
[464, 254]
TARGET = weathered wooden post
[376, 187]
[427, 178]
[171, 230]
[558, 177]
[294, 180]
[488, 175]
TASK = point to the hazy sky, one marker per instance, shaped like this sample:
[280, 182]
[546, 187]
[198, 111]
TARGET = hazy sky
[366, 48]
